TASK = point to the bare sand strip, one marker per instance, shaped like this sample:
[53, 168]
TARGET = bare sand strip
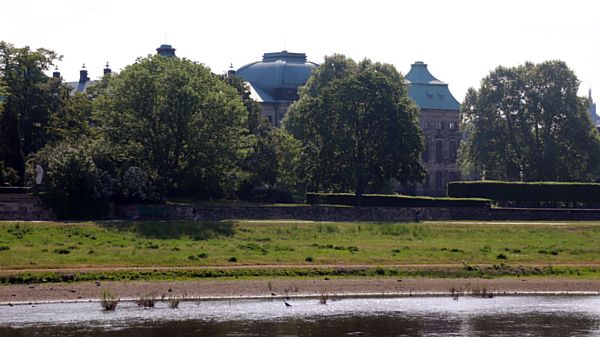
[281, 288]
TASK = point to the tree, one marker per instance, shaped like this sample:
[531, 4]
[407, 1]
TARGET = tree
[31, 97]
[273, 161]
[527, 123]
[357, 125]
[175, 120]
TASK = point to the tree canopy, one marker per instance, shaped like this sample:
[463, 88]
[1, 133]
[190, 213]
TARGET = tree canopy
[177, 121]
[527, 123]
[357, 125]
[30, 98]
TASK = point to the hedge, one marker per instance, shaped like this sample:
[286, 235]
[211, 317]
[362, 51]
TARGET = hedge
[521, 191]
[74, 208]
[15, 190]
[387, 200]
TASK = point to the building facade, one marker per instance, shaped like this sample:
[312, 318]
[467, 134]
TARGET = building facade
[439, 120]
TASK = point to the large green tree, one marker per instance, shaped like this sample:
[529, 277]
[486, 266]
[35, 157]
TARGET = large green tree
[527, 123]
[358, 126]
[30, 98]
[273, 161]
[177, 121]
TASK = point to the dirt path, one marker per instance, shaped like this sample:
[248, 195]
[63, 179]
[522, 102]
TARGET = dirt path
[279, 288]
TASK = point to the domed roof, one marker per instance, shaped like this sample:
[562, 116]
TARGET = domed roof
[427, 91]
[278, 76]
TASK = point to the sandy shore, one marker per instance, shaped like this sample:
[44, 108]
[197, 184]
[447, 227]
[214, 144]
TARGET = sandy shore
[206, 289]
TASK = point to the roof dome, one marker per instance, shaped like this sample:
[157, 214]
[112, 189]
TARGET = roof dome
[427, 91]
[278, 76]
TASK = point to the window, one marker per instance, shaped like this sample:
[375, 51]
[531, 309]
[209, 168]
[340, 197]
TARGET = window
[452, 126]
[426, 182]
[425, 125]
[439, 151]
[438, 180]
[452, 151]
[439, 125]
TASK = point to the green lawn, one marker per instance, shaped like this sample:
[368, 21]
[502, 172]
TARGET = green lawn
[26, 245]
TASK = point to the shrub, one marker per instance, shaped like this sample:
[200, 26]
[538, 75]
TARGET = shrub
[232, 259]
[526, 191]
[108, 301]
[146, 301]
[4, 248]
[386, 200]
[70, 208]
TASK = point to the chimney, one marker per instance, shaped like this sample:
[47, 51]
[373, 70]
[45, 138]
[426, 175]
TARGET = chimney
[107, 70]
[83, 75]
[56, 73]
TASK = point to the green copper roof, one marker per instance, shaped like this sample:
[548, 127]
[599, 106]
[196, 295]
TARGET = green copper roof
[428, 91]
[278, 76]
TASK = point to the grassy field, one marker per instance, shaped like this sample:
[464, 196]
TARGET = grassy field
[26, 245]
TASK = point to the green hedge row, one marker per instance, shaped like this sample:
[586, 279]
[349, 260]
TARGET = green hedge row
[15, 190]
[74, 208]
[520, 191]
[387, 200]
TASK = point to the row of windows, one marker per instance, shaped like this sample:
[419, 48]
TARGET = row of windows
[439, 151]
[439, 125]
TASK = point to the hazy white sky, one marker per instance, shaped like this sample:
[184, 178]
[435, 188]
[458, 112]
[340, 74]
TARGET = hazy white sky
[461, 40]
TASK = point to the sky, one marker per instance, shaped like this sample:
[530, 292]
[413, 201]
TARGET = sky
[460, 40]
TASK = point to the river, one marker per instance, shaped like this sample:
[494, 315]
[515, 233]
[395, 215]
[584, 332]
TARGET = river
[407, 316]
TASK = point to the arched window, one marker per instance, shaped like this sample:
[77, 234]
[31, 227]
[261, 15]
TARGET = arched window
[452, 151]
[439, 151]
[426, 150]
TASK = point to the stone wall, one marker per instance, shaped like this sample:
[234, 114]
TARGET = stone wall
[23, 207]
[29, 207]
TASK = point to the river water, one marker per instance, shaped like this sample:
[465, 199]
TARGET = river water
[408, 316]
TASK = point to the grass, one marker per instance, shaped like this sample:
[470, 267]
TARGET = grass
[306, 246]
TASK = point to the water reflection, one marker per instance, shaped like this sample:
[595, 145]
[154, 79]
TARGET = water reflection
[501, 316]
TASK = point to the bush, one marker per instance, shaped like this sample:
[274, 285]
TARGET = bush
[384, 200]
[523, 191]
[271, 195]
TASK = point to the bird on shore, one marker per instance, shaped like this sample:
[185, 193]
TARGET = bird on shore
[287, 304]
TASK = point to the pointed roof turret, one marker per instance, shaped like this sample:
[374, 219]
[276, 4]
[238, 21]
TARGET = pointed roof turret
[427, 91]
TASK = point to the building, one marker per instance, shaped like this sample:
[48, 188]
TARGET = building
[275, 80]
[85, 82]
[439, 119]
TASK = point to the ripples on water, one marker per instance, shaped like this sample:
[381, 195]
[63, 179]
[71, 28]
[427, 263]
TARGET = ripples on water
[428, 316]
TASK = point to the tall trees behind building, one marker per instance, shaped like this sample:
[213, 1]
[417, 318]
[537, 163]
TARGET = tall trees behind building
[527, 123]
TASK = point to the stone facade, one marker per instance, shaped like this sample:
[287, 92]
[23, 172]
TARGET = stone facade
[23, 207]
[441, 138]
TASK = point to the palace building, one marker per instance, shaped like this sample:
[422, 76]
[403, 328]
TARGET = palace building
[275, 80]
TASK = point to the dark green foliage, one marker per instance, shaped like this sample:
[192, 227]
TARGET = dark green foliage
[271, 195]
[519, 191]
[232, 259]
[4, 248]
[381, 200]
[357, 125]
[527, 123]
[176, 120]
[72, 208]
[31, 99]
